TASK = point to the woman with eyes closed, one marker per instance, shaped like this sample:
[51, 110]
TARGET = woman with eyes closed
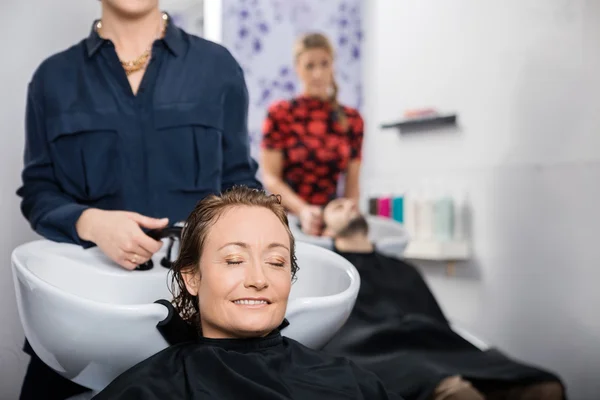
[233, 279]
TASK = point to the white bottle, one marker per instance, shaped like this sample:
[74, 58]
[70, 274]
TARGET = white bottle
[425, 215]
[460, 215]
[411, 204]
[443, 217]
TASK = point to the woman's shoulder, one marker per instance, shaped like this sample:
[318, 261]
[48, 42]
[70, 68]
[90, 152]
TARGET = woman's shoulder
[142, 376]
[169, 358]
[209, 51]
[68, 59]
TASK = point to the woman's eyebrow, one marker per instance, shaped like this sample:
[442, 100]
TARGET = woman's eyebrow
[237, 244]
[275, 244]
[246, 246]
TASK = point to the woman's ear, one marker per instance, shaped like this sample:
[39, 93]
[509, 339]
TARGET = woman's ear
[191, 277]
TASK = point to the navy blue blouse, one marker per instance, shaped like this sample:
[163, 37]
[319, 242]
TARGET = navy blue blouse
[90, 142]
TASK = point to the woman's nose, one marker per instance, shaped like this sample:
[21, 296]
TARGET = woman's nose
[255, 277]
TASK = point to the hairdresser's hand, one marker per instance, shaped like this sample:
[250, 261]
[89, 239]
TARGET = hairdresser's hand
[311, 220]
[119, 235]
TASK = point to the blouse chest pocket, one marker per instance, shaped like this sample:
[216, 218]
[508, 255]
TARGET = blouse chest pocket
[188, 147]
[84, 147]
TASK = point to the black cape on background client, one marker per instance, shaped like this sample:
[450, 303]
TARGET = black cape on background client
[398, 331]
[268, 368]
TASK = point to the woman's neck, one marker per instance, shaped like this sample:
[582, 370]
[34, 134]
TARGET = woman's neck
[131, 36]
[318, 96]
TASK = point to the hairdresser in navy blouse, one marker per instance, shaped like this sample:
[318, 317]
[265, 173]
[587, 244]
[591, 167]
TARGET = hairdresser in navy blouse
[90, 142]
[114, 148]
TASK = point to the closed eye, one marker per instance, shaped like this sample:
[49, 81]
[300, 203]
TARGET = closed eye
[234, 262]
[277, 264]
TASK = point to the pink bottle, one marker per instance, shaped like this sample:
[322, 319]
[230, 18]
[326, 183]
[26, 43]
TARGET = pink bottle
[385, 207]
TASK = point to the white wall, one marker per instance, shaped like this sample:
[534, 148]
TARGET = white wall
[523, 76]
[213, 21]
[29, 33]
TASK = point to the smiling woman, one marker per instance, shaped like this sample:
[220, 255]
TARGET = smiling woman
[233, 279]
[235, 282]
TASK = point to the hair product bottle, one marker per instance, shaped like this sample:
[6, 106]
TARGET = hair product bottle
[443, 217]
[385, 207]
[411, 214]
[425, 214]
[398, 208]
[460, 211]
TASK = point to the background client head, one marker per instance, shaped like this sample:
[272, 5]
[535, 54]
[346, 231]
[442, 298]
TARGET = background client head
[343, 219]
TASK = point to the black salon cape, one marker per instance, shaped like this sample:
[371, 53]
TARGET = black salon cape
[270, 368]
[398, 331]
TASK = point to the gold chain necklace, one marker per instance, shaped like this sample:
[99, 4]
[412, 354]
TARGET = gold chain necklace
[141, 62]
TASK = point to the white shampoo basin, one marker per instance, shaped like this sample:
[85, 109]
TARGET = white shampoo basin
[388, 236]
[90, 320]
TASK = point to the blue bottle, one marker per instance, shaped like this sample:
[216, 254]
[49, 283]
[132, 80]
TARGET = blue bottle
[398, 208]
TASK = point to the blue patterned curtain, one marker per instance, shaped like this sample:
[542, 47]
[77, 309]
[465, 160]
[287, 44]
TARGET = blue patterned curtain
[261, 34]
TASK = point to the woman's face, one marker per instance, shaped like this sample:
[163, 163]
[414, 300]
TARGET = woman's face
[245, 274]
[315, 69]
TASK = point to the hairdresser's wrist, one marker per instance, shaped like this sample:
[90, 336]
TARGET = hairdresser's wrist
[85, 224]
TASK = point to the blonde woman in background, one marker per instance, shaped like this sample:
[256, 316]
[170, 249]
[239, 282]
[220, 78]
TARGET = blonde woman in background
[311, 140]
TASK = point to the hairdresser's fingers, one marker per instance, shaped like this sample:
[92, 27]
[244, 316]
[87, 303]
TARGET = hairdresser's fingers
[128, 264]
[132, 255]
[136, 258]
[148, 222]
[314, 213]
[147, 243]
[131, 246]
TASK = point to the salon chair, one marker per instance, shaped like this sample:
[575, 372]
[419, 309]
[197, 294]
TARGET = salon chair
[90, 320]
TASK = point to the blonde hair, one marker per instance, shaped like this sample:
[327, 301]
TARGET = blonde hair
[311, 41]
[197, 229]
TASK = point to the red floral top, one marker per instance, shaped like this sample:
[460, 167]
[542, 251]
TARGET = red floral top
[315, 147]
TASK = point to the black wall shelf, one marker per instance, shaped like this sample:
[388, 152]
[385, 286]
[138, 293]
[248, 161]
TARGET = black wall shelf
[422, 124]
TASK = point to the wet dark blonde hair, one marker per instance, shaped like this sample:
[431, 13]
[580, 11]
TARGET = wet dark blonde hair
[311, 41]
[196, 231]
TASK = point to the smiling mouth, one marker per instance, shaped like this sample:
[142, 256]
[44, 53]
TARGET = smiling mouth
[251, 302]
